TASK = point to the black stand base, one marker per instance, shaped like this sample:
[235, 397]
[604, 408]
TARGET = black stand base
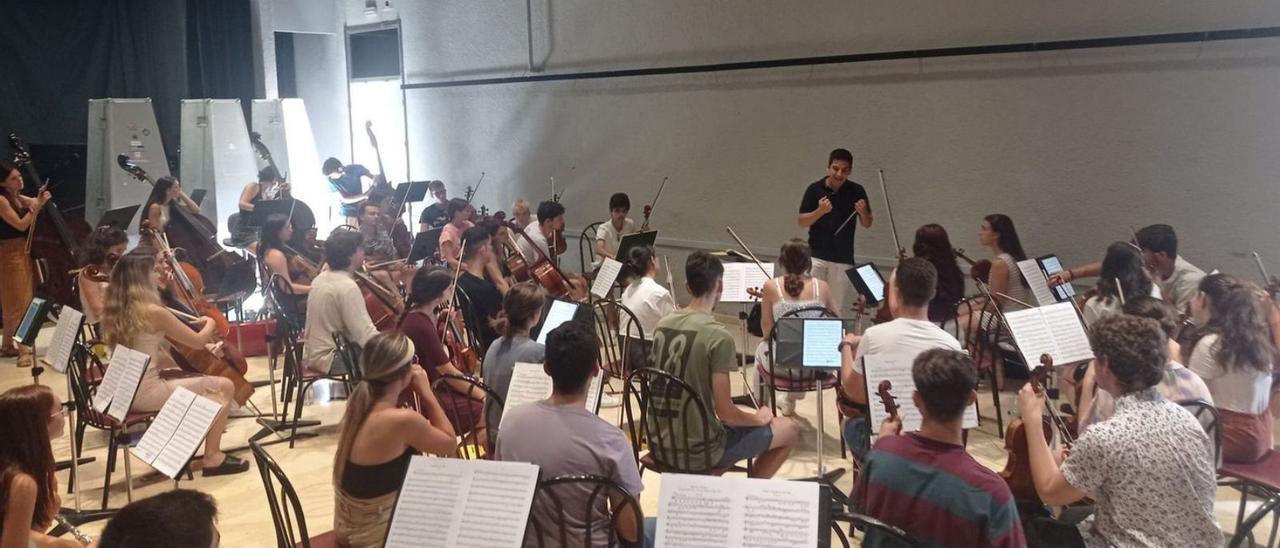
[82, 517]
[66, 464]
[272, 427]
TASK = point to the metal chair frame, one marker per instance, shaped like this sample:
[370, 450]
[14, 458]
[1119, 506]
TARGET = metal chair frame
[604, 493]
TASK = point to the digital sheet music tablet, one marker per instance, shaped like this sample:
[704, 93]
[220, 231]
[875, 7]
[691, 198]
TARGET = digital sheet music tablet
[635, 239]
[809, 342]
[867, 280]
[556, 312]
[1050, 265]
[120, 218]
[32, 320]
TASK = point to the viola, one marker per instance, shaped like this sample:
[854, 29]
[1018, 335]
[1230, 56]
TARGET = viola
[978, 270]
[1017, 470]
[887, 399]
[54, 240]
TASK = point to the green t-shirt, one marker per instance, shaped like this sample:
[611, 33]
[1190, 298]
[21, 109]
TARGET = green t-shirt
[692, 346]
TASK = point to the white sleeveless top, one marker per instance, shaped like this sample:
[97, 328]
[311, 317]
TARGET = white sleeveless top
[1014, 286]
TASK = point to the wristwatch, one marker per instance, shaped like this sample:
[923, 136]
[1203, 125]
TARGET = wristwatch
[843, 344]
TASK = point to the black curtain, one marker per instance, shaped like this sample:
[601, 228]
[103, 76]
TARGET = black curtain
[219, 51]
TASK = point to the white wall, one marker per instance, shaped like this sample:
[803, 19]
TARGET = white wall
[1075, 146]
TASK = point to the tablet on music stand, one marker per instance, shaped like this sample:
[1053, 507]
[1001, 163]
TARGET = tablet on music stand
[120, 218]
[34, 318]
[556, 312]
[1050, 265]
[867, 280]
[635, 239]
[809, 342]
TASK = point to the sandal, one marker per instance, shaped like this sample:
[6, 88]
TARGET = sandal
[230, 465]
[8, 351]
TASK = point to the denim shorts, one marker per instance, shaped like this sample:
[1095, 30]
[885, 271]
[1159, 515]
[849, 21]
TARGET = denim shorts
[744, 442]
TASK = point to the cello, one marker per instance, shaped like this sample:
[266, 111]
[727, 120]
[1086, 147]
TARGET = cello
[54, 240]
[544, 270]
[452, 331]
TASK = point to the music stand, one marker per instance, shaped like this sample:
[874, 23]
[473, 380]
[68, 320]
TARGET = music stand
[566, 311]
[410, 193]
[121, 218]
[635, 239]
[813, 344]
[425, 245]
[32, 321]
[870, 284]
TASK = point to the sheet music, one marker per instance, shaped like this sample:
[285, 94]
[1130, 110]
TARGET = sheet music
[165, 424]
[1068, 334]
[560, 312]
[179, 428]
[132, 365]
[605, 278]
[463, 503]
[1032, 334]
[896, 368]
[64, 338]
[738, 277]
[530, 383]
[709, 511]
[107, 387]
[1036, 279]
[822, 343]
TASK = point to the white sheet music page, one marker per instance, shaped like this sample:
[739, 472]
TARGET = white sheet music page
[738, 277]
[896, 368]
[605, 278]
[64, 338]
[107, 388]
[1039, 284]
[463, 503]
[1032, 334]
[132, 364]
[190, 433]
[709, 511]
[593, 392]
[530, 383]
[161, 430]
[1068, 333]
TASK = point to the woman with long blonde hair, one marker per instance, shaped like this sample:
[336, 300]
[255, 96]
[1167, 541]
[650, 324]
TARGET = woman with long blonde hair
[378, 438]
[133, 316]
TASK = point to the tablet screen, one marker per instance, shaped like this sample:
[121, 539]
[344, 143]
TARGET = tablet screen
[871, 277]
[822, 342]
[29, 320]
[558, 313]
[1052, 265]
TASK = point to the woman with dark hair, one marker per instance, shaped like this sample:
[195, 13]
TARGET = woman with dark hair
[431, 290]
[104, 246]
[934, 245]
[30, 417]
[998, 233]
[521, 310]
[1233, 354]
[1124, 276]
[275, 257]
[796, 289]
[166, 193]
[17, 281]
[641, 293]
[379, 437]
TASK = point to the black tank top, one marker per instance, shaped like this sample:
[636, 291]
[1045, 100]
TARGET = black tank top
[7, 231]
[372, 481]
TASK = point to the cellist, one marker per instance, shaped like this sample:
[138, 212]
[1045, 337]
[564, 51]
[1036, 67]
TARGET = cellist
[17, 283]
[133, 316]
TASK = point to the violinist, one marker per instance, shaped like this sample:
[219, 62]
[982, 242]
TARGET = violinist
[1149, 468]
[934, 245]
[278, 260]
[269, 186]
[164, 195]
[104, 246]
[135, 317]
[1123, 277]
[482, 295]
[1007, 286]
[550, 221]
[459, 213]
[646, 299]
[827, 210]
[521, 310]
[521, 214]
[1177, 279]
[349, 182]
[925, 482]
[911, 288]
[609, 235]
[434, 215]
[335, 304]
[17, 278]
[432, 289]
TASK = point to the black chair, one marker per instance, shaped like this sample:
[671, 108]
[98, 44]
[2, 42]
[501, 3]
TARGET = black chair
[470, 317]
[622, 341]
[286, 507]
[587, 246]
[1243, 536]
[782, 383]
[655, 424]
[603, 500]
[983, 346]
[301, 378]
[886, 535]
[1207, 414]
[477, 431]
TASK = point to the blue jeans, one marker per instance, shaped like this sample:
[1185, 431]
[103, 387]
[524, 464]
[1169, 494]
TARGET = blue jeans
[858, 436]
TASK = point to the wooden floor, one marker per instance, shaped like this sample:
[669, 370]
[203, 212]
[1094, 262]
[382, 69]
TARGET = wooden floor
[244, 519]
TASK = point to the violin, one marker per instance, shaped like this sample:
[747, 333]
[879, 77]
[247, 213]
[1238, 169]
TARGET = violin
[978, 270]
[53, 241]
[887, 399]
[1017, 469]
[648, 208]
[187, 287]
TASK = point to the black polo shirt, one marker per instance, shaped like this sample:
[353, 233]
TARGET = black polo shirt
[823, 239]
[434, 216]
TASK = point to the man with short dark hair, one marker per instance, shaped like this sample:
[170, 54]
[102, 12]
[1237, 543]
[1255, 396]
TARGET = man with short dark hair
[181, 517]
[564, 438]
[348, 182]
[434, 215]
[1178, 279]
[483, 296]
[827, 210]
[911, 287]
[690, 344]
[1149, 468]
[336, 305]
[925, 482]
[550, 220]
[609, 234]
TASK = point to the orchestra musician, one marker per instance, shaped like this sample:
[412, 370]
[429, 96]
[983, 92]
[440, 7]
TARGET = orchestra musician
[379, 247]
[1124, 276]
[521, 310]
[1006, 284]
[521, 213]
[827, 210]
[482, 295]
[1178, 279]
[134, 316]
[459, 213]
[166, 193]
[434, 215]
[647, 299]
[277, 259]
[609, 234]
[550, 220]
[349, 182]
[934, 245]
[17, 276]
[335, 304]
[99, 253]
[31, 417]
[269, 186]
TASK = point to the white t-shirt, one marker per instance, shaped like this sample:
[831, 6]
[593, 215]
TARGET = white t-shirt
[612, 238]
[1243, 389]
[649, 301]
[1183, 283]
[534, 231]
[902, 335]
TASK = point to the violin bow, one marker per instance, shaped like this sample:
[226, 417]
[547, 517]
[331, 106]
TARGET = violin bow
[749, 253]
[649, 209]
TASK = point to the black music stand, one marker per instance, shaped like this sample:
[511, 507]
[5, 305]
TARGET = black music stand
[121, 218]
[266, 208]
[198, 195]
[635, 239]
[425, 245]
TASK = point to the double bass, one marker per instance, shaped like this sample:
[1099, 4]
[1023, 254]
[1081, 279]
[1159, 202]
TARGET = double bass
[393, 222]
[54, 240]
[300, 214]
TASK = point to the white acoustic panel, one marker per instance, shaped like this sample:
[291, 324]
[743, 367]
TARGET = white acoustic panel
[286, 130]
[120, 126]
[216, 156]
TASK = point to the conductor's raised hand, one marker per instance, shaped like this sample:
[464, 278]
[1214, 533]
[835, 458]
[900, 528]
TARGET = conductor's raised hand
[824, 205]
[861, 207]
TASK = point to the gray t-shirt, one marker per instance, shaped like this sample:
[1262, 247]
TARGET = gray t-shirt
[502, 357]
[569, 440]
